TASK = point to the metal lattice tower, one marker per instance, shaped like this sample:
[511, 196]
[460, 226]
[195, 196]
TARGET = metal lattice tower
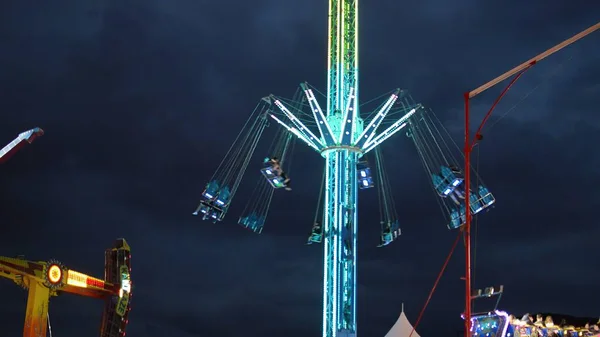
[343, 140]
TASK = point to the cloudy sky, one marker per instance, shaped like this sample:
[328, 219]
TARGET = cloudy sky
[140, 99]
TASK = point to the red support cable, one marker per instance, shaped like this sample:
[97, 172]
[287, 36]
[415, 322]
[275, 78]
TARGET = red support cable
[467, 229]
[435, 285]
[467, 152]
[498, 99]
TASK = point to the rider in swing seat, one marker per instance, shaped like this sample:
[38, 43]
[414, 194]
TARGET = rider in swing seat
[277, 167]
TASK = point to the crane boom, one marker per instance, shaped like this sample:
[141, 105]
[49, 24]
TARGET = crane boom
[24, 137]
[533, 60]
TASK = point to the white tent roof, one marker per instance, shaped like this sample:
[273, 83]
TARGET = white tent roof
[402, 328]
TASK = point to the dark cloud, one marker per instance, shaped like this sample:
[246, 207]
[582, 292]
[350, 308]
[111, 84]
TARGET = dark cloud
[141, 99]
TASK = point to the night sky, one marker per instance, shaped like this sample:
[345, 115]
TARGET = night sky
[140, 100]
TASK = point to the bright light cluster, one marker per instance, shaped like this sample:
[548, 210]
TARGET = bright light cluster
[80, 280]
[366, 141]
[54, 274]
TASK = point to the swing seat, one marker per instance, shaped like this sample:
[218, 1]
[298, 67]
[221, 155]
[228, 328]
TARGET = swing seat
[442, 188]
[391, 233]
[214, 214]
[253, 222]
[211, 190]
[438, 184]
[451, 178]
[209, 211]
[476, 204]
[457, 218]
[388, 237]
[203, 208]
[314, 238]
[316, 234]
[486, 197]
[272, 177]
[223, 197]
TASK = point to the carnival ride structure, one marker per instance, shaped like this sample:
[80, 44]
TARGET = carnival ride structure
[492, 322]
[470, 143]
[44, 279]
[473, 200]
[23, 138]
[343, 135]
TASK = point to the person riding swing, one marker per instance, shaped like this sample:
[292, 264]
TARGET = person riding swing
[276, 165]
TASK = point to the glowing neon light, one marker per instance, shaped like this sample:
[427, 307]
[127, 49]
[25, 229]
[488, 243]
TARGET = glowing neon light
[124, 291]
[301, 128]
[506, 321]
[296, 132]
[377, 141]
[326, 133]
[54, 274]
[76, 279]
[94, 282]
[125, 281]
[397, 126]
[368, 133]
[349, 119]
[80, 280]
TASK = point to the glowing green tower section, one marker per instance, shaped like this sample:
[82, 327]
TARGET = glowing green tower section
[341, 183]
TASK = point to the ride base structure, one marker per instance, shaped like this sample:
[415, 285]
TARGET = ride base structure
[45, 279]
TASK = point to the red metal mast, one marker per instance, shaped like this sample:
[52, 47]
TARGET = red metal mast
[518, 71]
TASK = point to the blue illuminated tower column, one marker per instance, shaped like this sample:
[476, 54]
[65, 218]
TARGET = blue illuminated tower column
[343, 139]
[341, 184]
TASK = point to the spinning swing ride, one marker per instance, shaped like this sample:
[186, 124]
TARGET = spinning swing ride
[344, 141]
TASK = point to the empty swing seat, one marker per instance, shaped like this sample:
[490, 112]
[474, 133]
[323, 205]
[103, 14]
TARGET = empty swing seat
[458, 217]
[223, 197]
[214, 214]
[253, 221]
[211, 190]
[451, 176]
[209, 211]
[486, 197]
[441, 186]
[203, 208]
[476, 203]
[454, 219]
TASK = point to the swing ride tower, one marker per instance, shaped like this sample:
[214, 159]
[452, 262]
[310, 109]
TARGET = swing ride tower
[342, 138]
[341, 184]
[342, 141]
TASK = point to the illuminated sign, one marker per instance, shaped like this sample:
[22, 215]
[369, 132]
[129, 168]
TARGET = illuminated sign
[54, 274]
[80, 280]
[122, 304]
[94, 282]
[76, 279]
[124, 291]
[125, 281]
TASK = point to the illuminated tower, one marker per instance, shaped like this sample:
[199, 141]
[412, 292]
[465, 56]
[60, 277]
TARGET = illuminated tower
[342, 141]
